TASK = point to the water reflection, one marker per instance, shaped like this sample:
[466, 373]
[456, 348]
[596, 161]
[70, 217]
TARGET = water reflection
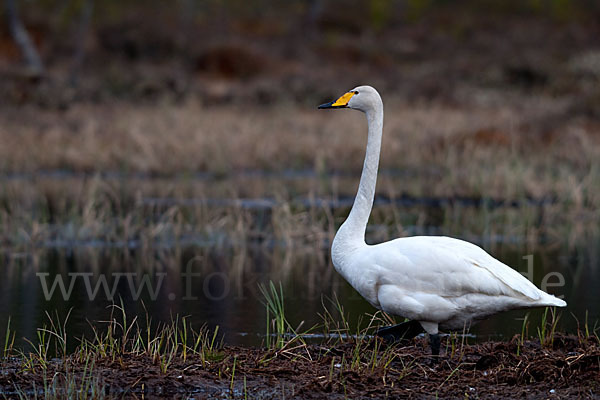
[221, 288]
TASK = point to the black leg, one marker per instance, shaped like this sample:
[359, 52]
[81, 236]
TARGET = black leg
[401, 332]
[434, 340]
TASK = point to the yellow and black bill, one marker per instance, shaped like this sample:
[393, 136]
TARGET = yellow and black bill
[342, 102]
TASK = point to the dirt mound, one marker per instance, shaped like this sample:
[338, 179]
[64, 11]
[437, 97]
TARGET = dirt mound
[568, 367]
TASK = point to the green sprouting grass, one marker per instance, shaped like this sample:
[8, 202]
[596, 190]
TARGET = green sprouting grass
[232, 375]
[276, 321]
[9, 340]
[76, 381]
[335, 325]
[175, 346]
[58, 330]
[547, 329]
[114, 340]
[524, 333]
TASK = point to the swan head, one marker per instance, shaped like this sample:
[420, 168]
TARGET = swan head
[362, 98]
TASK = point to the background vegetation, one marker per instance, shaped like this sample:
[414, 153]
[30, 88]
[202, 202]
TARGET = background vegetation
[153, 136]
[150, 133]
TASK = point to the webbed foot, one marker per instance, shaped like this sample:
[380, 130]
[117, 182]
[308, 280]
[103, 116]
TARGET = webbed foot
[400, 333]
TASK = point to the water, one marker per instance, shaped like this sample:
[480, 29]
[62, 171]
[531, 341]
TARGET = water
[223, 291]
[207, 262]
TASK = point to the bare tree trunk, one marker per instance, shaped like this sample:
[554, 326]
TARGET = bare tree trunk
[82, 34]
[315, 8]
[311, 18]
[34, 64]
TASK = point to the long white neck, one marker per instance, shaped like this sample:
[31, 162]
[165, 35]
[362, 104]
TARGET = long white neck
[351, 235]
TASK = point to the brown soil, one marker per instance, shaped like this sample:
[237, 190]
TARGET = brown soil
[568, 368]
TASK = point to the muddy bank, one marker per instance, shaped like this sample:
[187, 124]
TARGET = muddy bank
[568, 367]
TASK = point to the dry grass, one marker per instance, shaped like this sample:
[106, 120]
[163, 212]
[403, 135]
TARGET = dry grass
[497, 147]
[484, 149]
[503, 148]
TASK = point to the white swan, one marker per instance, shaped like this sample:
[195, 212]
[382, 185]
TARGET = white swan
[438, 281]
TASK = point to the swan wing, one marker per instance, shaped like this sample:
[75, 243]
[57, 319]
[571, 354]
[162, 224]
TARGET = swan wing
[476, 257]
[450, 268]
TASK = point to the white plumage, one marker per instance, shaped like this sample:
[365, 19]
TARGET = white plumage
[438, 281]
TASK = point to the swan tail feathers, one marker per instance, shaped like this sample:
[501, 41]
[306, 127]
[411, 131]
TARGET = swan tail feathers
[549, 301]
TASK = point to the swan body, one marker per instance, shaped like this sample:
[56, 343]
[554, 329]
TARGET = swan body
[441, 282]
